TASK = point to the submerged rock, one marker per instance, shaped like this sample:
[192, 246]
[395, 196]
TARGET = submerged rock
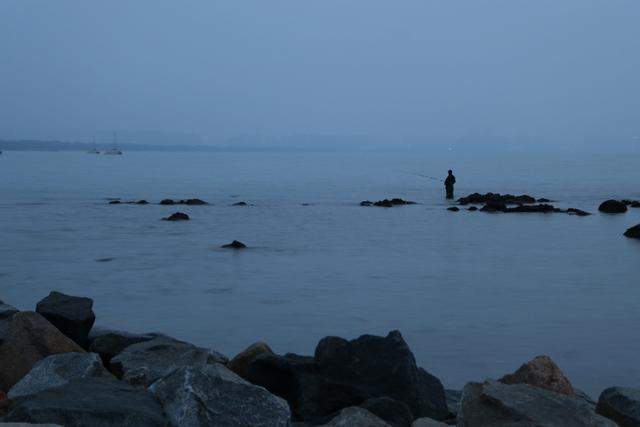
[494, 206]
[542, 208]
[167, 202]
[387, 203]
[235, 245]
[347, 373]
[57, 370]
[472, 208]
[633, 232]
[366, 203]
[541, 372]
[620, 404]
[90, 402]
[29, 338]
[108, 343]
[240, 204]
[507, 199]
[240, 364]
[212, 395]
[145, 362]
[178, 216]
[190, 202]
[73, 316]
[494, 404]
[453, 209]
[577, 212]
[613, 206]
[355, 417]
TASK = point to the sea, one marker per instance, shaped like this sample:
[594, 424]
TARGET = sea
[474, 294]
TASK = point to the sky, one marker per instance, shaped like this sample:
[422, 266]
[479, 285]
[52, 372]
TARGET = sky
[418, 70]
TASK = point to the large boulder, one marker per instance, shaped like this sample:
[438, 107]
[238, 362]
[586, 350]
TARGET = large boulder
[6, 310]
[109, 343]
[612, 206]
[145, 362]
[633, 232]
[240, 363]
[396, 414]
[73, 316]
[28, 339]
[494, 404]
[57, 370]
[347, 373]
[355, 417]
[541, 372]
[83, 402]
[212, 395]
[621, 404]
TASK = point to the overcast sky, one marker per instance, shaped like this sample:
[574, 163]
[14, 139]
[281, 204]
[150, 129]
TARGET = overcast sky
[542, 70]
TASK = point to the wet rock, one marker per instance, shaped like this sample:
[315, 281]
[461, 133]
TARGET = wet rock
[240, 364]
[453, 400]
[427, 422]
[533, 209]
[240, 204]
[494, 404]
[235, 245]
[178, 216]
[543, 200]
[453, 209]
[472, 208]
[613, 206]
[633, 232]
[73, 316]
[109, 343]
[494, 206]
[577, 212]
[541, 372]
[57, 370]
[212, 395]
[193, 202]
[388, 203]
[355, 417]
[347, 373]
[145, 362]
[115, 202]
[168, 202]
[396, 414]
[28, 339]
[620, 404]
[507, 199]
[142, 202]
[366, 203]
[90, 402]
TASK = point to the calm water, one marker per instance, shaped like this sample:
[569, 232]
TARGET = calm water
[474, 294]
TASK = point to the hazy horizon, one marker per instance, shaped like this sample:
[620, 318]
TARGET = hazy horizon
[535, 72]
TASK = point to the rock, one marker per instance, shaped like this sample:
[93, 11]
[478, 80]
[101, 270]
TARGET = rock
[240, 363]
[366, 203]
[427, 422]
[633, 232]
[584, 397]
[388, 203]
[453, 400]
[453, 209]
[115, 202]
[29, 338]
[635, 204]
[396, 414]
[577, 212]
[507, 199]
[355, 417]
[497, 404]
[57, 370]
[108, 343]
[212, 395]
[533, 209]
[142, 202]
[620, 404]
[472, 208]
[240, 204]
[541, 372]
[178, 216]
[613, 206]
[543, 200]
[145, 362]
[167, 202]
[494, 206]
[193, 202]
[90, 402]
[347, 373]
[6, 310]
[73, 316]
[235, 245]
[28, 425]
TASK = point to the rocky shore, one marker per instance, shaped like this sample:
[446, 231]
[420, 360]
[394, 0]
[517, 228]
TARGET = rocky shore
[56, 368]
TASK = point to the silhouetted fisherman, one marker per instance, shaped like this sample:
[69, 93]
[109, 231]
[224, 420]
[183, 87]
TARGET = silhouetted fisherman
[448, 184]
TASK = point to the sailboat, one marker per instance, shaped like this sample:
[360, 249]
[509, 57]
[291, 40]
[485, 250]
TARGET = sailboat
[114, 151]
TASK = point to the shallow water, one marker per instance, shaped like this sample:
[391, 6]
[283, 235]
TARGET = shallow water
[474, 294]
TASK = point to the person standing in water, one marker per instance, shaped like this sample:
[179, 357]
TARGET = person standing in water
[448, 184]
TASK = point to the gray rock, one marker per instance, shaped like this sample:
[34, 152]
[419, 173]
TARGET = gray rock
[453, 400]
[110, 343]
[621, 404]
[6, 310]
[393, 412]
[57, 370]
[212, 395]
[496, 404]
[356, 417]
[96, 402]
[73, 316]
[143, 363]
[585, 397]
[427, 422]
